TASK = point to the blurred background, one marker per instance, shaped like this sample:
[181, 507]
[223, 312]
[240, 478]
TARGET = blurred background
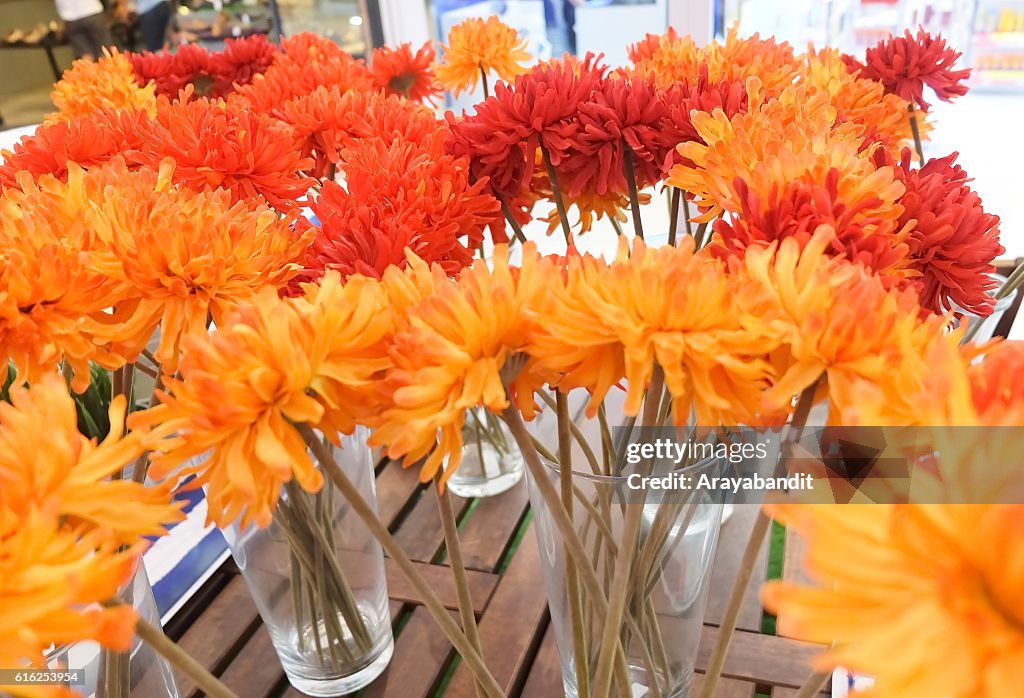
[982, 126]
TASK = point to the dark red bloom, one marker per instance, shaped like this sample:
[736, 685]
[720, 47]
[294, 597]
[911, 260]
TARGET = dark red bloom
[401, 72]
[681, 99]
[398, 196]
[88, 140]
[905, 64]
[952, 241]
[211, 74]
[798, 211]
[240, 61]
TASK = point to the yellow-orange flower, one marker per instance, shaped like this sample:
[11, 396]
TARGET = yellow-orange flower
[478, 46]
[108, 82]
[450, 355]
[924, 598]
[667, 306]
[49, 287]
[185, 257]
[69, 537]
[272, 363]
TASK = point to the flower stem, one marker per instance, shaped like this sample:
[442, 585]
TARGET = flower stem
[458, 567]
[556, 192]
[673, 216]
[686, 216]
[634, 196]
[916, 130]
[813, 685]
[483, 80]
[182, 660]
[757, 535]
[433, 604]
[507, 210]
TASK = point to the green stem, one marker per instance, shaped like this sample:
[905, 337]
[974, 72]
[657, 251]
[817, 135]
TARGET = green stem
[556, 192]
[517, 229]
[673, 215]
[483, 80]
[634, 194]
[686, 216]
[915, 129]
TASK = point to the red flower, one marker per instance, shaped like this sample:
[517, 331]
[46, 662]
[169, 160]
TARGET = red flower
[681, 99]
[172, 72]
[799, 210]
[905, 64]
[649, 45]
[539, 110]
[87, 140]
[307, 63]
[952, 241]
[327, 121]
[621, 112]
[398, 71]
[240, 61]
[218, 145]
[398, 197]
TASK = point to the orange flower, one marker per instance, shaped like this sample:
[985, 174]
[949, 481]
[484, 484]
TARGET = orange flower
[185, 258]
[269, 364]
[997, 395]
[477, 47]
[69, 537]
[450, 357]
[931, 606]
[306, 63]
[214, 144]
[666, 306]
[107, 83]
[398, 71]
[591, 207]
[50, 289]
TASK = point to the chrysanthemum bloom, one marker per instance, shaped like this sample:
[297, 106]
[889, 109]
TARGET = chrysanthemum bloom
[668, 59]
[620, 113]
[932, 608]
[607, 322]
[882, 115]
[539, 111]
[478, 47]
[996, 394]
[399, 71]
[185, 258]
[591, 207]
[243, 386]
[905, 64]
[306, 63]
[49, 286]
[650, 45]
[830, 317]
[218, 145]
[952, 241]
[328, 120]
[106, 83]
[396, 197]
[170, 73]
[69, 538]
[794, 138]
[450, 357]
[87, 140]
[798, 209]
[240, 61]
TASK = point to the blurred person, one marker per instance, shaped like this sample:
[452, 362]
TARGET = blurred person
[86, 26]
[152, 18]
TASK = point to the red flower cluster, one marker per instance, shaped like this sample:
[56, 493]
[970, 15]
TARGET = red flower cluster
[952, 241]
[307, 62]
[905, 64]
[399, 71]
[328, 120]
[212, 74]
[398, 197]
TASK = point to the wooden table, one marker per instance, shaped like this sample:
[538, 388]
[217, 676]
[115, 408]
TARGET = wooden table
[223, 630]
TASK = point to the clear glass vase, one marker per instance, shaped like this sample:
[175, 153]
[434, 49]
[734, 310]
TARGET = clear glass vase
[672, 535]
[491, 461]
[141, 671]
[317, 576]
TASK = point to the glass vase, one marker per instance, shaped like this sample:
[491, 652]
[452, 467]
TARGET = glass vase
[671, 534]
[491, 461]
[317, 576]
[140, 671]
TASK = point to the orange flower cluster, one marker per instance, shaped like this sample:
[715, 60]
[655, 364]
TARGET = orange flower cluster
[107, 83]
[69, 537]
[478, 47]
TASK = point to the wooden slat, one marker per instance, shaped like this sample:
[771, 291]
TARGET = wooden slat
[766, 659]
[485, 535]
[395, 487]
[256, 670]
[731, 544]
[779, 692]
[545, 677]
[510, 625]
[727, 688]
[421, 654]
[420, 534]
[221, 631]
[439, 577]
